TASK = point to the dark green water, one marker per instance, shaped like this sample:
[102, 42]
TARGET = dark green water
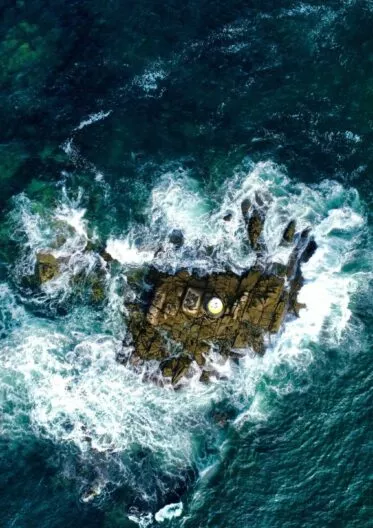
[121, 121]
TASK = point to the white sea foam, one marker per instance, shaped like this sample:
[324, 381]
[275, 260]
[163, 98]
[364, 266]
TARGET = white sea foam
[61, 232]
[93, 118]
[170, 511]
[67, 370]
[149, 80]
[125, 252]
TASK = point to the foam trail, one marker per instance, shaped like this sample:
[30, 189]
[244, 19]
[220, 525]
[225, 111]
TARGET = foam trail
[93, 118]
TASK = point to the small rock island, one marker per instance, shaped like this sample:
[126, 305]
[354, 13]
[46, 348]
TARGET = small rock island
[178, 318]
[186, 314]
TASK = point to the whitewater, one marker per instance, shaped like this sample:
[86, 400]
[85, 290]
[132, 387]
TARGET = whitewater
[58, 370]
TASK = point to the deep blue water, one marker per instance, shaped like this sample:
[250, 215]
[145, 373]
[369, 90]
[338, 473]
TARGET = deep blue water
[122, 121]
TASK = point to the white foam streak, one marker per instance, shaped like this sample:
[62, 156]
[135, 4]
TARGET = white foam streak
[93, 118]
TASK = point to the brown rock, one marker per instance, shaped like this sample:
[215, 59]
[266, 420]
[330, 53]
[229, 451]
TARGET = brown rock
[175, 368]
[289, 233]
[47, 267]
[255, 304]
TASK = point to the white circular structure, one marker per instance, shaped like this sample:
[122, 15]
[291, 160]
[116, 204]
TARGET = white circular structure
[215, 306]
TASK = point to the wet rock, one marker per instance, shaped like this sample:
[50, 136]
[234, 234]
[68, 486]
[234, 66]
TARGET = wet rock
[255, 228]
[176, 238]
[279, 269]
[245, 207]
[227, 217]
[47, 267]
[177, 316]
[97, 288]
[205, 376]
[175, 368]
[309, 251]
[289, 233]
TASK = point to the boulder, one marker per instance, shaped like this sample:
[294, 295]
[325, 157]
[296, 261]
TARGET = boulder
[289, 233]
[176, 237]
[175, 368]
[255, 228]
[47, 267]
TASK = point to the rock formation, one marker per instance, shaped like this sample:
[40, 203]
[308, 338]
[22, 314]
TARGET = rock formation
[47, 267]
[186, 313]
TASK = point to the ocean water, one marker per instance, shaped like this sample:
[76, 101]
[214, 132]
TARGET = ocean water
[123, 121]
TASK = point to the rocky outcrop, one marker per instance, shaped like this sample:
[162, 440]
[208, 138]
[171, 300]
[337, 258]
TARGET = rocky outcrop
[188, 313]
[255, 228]
[289, 233]
[47, 267]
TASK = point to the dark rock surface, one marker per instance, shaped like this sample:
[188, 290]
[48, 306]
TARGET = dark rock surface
[176, 237]
[289, 233]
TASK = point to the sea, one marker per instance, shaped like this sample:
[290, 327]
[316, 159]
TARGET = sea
[120, 122]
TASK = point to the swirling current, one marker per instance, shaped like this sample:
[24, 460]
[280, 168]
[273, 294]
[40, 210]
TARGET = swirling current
[122, 122]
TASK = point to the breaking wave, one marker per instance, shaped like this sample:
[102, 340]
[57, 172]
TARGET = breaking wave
[62, 371]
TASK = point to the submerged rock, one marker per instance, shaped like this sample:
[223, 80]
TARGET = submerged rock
[47, 267]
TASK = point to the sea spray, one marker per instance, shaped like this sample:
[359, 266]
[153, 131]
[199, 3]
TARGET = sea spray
[75, 391]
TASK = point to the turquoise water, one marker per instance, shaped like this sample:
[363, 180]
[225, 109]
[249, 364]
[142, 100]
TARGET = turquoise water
[123, 123]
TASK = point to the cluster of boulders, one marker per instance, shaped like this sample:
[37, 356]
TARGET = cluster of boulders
[187, 314]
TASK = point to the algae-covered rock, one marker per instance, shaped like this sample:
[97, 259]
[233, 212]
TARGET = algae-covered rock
[47, 267]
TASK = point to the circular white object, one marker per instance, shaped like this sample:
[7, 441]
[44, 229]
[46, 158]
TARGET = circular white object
[215, 306]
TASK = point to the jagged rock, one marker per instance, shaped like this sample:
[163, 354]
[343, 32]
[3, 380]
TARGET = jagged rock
[175, 368]
[245, 206]
[289, 233]
[205, 376]
[255, 228]
[233, 312]
[47, 267]
[255, 303]
[176, 238]
[309, 251]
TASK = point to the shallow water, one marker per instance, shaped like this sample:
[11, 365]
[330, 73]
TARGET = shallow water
[129, 121]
